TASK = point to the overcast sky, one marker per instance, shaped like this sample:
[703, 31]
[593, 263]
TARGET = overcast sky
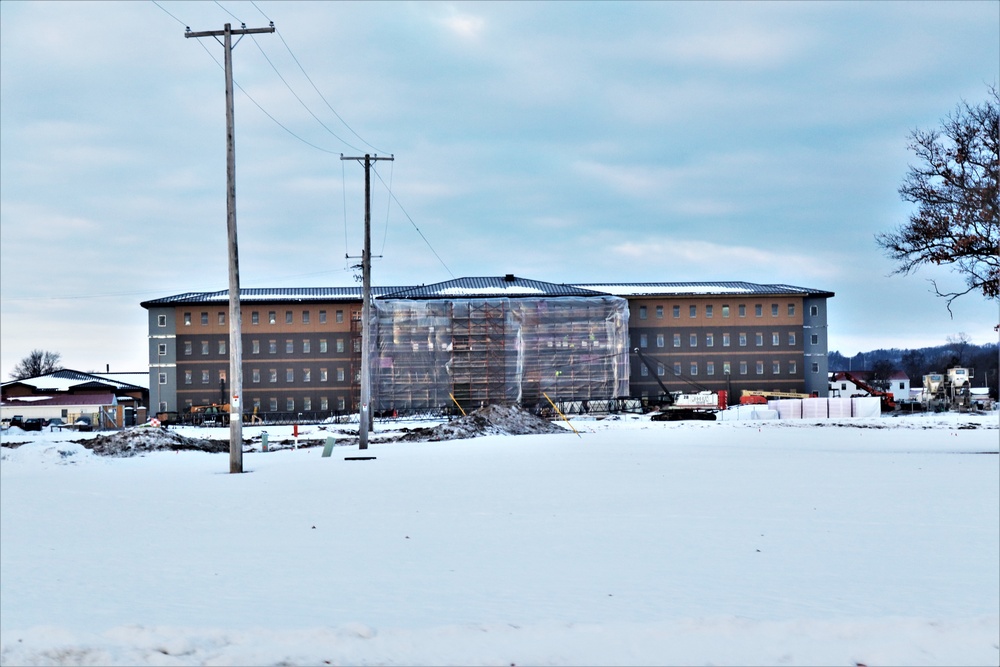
[565, 142]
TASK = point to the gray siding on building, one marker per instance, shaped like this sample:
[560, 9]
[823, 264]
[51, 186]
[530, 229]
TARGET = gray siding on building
[815, 345]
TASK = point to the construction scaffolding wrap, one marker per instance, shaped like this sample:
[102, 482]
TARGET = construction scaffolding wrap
[501, 351]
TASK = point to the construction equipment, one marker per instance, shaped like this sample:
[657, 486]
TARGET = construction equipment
[214, 414]
[950, 390]
[885, 397]
[753, 397]
[675, 406]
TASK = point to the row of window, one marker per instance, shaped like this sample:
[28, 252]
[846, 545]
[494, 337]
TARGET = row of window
[271, 373]
[272, 317]
[741, 310]
[709, 339]
[694, 368]
[272, 346]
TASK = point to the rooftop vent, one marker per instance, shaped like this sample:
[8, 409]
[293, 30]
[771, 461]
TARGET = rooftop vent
[509, 278]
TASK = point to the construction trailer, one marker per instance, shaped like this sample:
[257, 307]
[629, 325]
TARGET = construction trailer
[467, 352]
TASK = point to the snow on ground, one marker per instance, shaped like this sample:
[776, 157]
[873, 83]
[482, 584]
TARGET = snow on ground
[839, 542]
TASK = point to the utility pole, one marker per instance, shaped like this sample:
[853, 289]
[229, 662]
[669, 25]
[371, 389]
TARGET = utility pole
[235, 323]
[364, 412]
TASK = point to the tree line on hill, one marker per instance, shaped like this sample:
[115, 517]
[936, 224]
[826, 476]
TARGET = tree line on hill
[960, 351]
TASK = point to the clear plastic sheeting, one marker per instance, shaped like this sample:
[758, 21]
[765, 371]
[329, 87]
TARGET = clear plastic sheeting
[498, 351]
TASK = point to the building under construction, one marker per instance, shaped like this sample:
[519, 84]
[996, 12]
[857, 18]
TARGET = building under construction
[498, 341]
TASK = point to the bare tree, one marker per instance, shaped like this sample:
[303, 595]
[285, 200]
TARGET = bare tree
[955, 185]
[39, 362]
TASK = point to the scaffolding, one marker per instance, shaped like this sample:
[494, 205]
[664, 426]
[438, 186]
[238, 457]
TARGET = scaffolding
[498, 351]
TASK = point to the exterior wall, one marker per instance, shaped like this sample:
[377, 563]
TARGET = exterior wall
[162, 359]
[815, 345]
[685, 339]
[297, 357]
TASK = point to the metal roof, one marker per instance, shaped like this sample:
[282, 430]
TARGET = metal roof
[701, 288]
[509, 286]
[66, 379]
[485, 287]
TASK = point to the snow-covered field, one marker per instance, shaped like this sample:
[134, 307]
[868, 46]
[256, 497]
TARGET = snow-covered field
[848, 542]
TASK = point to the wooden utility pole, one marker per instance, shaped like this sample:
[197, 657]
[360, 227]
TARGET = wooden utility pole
[364, 412]
[235, 323]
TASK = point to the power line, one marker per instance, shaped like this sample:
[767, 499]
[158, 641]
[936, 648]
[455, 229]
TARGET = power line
[395, 199]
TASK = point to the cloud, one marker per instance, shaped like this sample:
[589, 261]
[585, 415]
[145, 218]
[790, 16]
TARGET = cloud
[465, 26]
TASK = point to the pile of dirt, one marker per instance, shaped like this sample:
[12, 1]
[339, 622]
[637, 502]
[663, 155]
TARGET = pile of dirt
[489, 420]
[141, 439]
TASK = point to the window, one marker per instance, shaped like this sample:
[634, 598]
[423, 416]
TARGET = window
[204, 347]
[902, 385]
[791, 338]
[357, 345]
[743, 340]
[255, 317]
[791, 367]
[273, 376]
[758, 310]
[814, 339]
[204, 377]
[289, 346]
[676, 311]
[692, 311]
[187, 319]
[743, 368]
[760, 368]
[322, 375]
[659, 340]
[306, 346]
[305, 317]
[322, 320]
[340, 345]
[725, 340]
[222, 347]
[288, 317]
[307, 403]
[255, 346]
[187, 348]
[324, 403]
[774, 310]
[677, 340]
[273, 404]
[340, 316]
[340, 375]
[775, 338]
[222, 318]
[272, 346]
[709, 368]
[709, 311]
[643, 371]
[256, 404]
[161, 349]
[161, 320]
[289, 375]
[272, 317]
[255, 374]
[307, 375]
[322, 346]
[162, 406]
[187, 377]
[758, 339]
[222, 376]
[791, 310]
[659, 312]
[694, 368]
[709, 340]
[815, 367]
[725, 310]
[693, 340]
[642, 341]
[814, 310]
[742, 310]
[340, 403]
[775, 367]
[726, 368]
[642, 312]
[677, 368]
[204, 319]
